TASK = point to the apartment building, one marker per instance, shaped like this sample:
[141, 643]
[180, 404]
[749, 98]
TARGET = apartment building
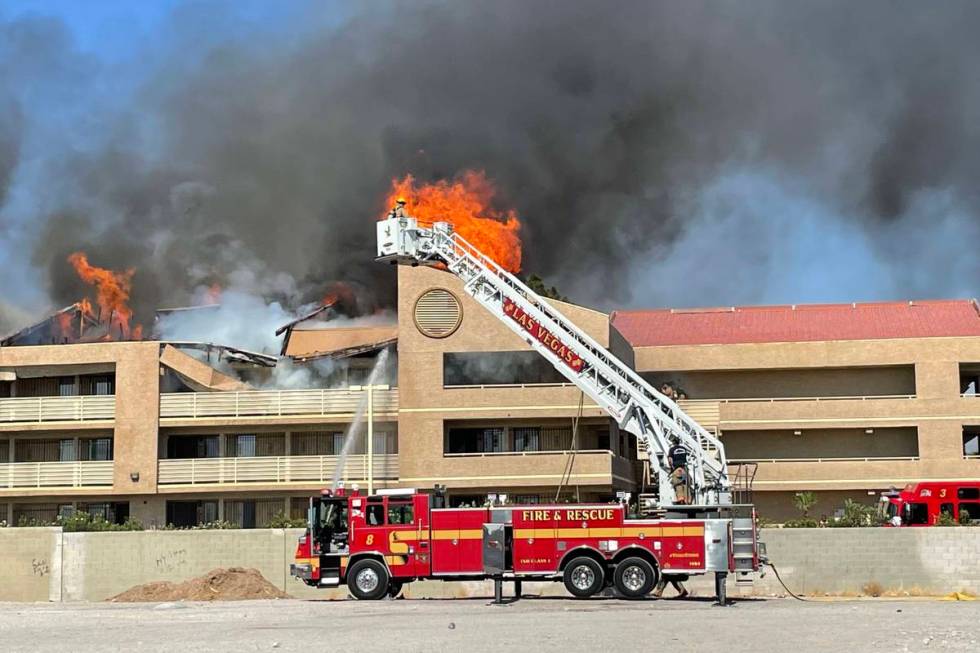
[842, 400]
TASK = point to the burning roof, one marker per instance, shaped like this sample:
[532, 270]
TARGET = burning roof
[74, 323]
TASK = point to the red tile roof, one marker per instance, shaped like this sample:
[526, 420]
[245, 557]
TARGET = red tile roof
[799, 323]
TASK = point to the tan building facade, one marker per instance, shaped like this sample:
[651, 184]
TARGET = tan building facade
[96, 426]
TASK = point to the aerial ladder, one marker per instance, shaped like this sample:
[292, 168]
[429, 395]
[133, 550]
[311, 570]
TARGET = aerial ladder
[636, 406]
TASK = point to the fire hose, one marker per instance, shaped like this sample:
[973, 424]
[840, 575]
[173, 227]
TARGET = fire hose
[788, 590]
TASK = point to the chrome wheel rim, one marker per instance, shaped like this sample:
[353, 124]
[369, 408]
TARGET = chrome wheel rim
[583, 577]
[634, 578]
[367, 580]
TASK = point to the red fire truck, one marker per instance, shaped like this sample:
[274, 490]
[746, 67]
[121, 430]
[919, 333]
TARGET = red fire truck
[921, 504]
[375, 544]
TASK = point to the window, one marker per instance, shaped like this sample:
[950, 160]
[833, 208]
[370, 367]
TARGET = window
[916, 513]
[969, 510]
[968, 493]
[66, 386]
[947, 509]
[527, 438]
[400, 513]
[498, 368]
[99, 385]
[375, 514]
[602, 440]
[66, 450]
[493, 440]
[252, 513]
[186, 514]
[192, 446]
[4, 451]
[527, 499]
[971, 442]
[96, 449]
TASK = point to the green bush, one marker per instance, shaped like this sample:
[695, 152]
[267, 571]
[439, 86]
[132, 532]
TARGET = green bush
[81, 522]
[281, 520]
[804, 501]
[966, 520]
[805, 522]
[856, 515]
[946, 519]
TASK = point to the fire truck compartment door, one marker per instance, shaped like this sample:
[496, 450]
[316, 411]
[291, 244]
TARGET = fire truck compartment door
[445, 541]
[717, 544]
[494, 548]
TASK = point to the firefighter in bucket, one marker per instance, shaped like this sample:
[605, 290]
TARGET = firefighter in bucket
[679, 478]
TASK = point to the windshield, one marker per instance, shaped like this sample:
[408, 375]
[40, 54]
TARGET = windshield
[333, 515]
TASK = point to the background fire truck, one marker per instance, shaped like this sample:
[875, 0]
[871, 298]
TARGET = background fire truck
[922, 504]
[374, 544]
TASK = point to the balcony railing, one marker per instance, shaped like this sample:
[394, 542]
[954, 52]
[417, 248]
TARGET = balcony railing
[58, 409]
[869, 459]
[272, 403]
[555, 452]
[272, 469]
[81, 473]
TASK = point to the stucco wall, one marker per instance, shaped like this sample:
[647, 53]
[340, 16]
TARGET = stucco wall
[42, 564]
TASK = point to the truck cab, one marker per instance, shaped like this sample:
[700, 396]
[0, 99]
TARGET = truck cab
[923, 504]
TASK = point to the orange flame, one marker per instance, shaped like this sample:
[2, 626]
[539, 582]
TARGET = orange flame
[63, 329]
[112, 295]
[466, 203]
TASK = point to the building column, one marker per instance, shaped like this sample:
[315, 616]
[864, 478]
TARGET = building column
[937, 379]
[10, 456]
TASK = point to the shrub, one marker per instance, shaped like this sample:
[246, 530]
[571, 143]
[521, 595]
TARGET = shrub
[804, 501]
[872, 588]
[946, 519]
[965, 519]
[855, 515]
[281, 520]
[805, 522]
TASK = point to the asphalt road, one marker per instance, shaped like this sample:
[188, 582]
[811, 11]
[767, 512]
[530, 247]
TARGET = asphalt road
[545, 624]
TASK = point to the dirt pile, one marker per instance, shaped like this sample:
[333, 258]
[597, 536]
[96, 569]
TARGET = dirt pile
[232, 584]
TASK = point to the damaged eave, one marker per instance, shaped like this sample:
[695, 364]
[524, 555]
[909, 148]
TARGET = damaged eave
[198, 375]
[232, 353]
[347, 352]
[288, 328]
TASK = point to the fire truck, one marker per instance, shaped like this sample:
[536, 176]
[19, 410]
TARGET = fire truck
[374, 544]
[921, 504]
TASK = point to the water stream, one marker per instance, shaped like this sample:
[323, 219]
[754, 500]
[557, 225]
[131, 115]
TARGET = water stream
[354, 429]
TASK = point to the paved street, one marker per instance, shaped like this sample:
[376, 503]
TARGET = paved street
[546, 624]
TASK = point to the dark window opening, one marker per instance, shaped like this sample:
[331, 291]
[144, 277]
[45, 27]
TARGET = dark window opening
[916, 513]
[187, 514]
[95, 449]
[968, 493]
[375, 514]
[971, 440]
[193, 446]
[498, 368]
[400, 513]
[114, 513]
[969, 510]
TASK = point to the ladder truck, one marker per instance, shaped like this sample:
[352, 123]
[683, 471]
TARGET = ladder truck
[375, 544]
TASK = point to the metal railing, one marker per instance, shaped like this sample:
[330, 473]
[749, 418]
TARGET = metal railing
[58, 409]
[869, 459]
[79, 473]
[557, 452]
[272, 469]
[259, 403]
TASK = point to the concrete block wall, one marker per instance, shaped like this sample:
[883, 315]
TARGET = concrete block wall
[44, 564]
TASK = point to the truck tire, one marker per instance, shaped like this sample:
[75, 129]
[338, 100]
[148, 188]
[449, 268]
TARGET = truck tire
[367, 580]
[634, 578]
[583, 577]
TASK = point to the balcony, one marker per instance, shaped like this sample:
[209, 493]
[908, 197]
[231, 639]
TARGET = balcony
[56, 474]
[712, 413]
[272, 403]
[58, 409]
[273, 469]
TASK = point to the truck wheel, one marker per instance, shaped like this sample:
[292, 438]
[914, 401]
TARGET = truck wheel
[634, 577]
[367, 580]
[583, 577]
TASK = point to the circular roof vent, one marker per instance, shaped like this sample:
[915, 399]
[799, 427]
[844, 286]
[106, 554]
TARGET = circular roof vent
[438, 313]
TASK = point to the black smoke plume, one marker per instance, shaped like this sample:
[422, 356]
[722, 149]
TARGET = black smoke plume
[259, 159]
